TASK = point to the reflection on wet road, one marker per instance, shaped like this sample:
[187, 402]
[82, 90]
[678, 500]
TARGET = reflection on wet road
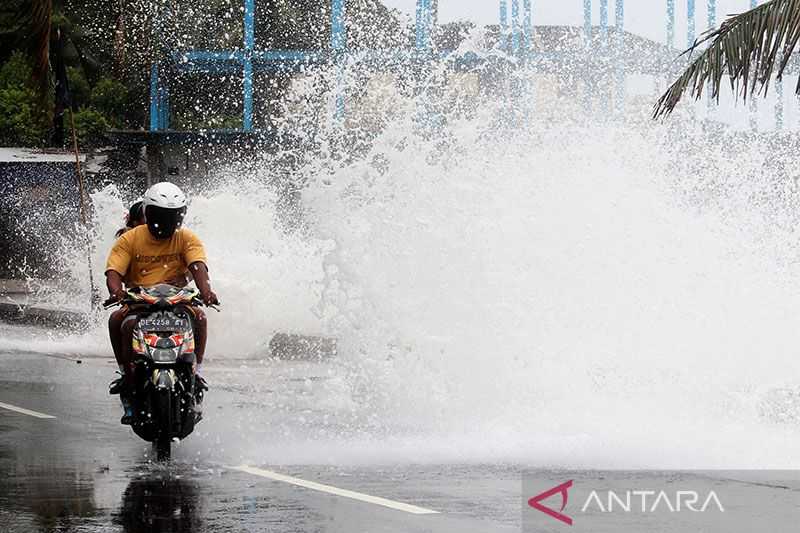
[160, 502]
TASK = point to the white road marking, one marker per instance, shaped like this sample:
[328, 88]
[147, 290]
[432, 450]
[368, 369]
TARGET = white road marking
[24, 411]
[399, 506]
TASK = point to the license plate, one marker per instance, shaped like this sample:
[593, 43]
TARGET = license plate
[163, 324]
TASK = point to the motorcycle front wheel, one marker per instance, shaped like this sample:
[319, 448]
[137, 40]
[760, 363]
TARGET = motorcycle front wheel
[163, 442]
[163, 446]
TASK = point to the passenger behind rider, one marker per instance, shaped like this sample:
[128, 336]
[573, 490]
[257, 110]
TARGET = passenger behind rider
[159, 251]
[135, 217]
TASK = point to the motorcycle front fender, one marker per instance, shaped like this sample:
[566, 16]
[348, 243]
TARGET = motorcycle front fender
[163, 378]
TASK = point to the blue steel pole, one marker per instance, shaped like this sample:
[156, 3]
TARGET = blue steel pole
[165, 110]
[619, 22]
[606, 83]
[671, 23]
[779, 97]
[712, 14]
[247, 76]
[337, 25]
[587, 30]
[587, 20]
[604, 22]
[338, 43]
[429, 22]
[154, 98]
[162, 108]
[425, 115]
[690, 23]
[503, 21]
[515, 27]
[423, 25]
[514, 80]
[527, 23]
[712, 23]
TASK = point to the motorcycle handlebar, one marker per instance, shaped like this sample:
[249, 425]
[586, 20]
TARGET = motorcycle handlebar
[113, 302]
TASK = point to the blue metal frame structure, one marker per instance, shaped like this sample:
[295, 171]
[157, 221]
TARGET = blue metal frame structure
[527, 23]
[587, 19]
[711, 10]
[338, 45]
[671, 23]
[604, 22]
[619, 21]
[515, 27]
[249, 60]
[423, 26]
[712, 13]
[247, 63]
[619, 74]
[503, 20]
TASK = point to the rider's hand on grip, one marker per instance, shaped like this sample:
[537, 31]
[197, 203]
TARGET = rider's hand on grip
[115, 298]
[209, 298]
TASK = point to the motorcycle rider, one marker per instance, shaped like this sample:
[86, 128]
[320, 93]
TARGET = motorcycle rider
[135, 217]
[159, 251]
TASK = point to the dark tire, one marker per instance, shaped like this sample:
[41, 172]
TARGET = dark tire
[163, 442]
[163, 446]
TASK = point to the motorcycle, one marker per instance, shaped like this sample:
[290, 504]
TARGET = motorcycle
[166, 396]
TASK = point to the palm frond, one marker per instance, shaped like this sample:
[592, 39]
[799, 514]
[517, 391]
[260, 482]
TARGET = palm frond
[746, 48]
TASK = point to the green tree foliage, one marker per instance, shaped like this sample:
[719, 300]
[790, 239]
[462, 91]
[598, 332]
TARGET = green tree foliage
[24, 121]
[87, 30]
[78, 86]
[108, 47]
[12, 29]
[110, 97]
[91, 127]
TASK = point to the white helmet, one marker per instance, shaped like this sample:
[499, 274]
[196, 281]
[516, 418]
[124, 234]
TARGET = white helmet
[165, 194]
[164, 209]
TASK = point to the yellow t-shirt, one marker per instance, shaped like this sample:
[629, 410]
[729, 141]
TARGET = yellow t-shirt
[144, 261]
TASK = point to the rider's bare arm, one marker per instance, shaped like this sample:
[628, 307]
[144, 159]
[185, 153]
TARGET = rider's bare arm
[199, 271]
[114, 284]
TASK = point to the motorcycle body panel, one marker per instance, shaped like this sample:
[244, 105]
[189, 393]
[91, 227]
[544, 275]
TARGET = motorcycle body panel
[164, 398]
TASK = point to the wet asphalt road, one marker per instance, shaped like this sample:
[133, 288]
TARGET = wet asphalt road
[83, 471]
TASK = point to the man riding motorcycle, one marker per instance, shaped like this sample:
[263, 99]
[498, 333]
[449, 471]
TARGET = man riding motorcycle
[159, 251]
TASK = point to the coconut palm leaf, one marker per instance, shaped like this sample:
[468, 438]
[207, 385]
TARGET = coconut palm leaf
[745, 48]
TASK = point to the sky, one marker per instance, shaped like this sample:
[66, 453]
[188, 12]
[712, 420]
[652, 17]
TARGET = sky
[644, 17]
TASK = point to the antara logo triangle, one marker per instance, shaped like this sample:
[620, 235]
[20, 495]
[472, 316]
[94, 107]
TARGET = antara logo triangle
[535, 502]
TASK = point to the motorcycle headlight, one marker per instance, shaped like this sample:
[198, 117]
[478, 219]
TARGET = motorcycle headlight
[163, 355]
